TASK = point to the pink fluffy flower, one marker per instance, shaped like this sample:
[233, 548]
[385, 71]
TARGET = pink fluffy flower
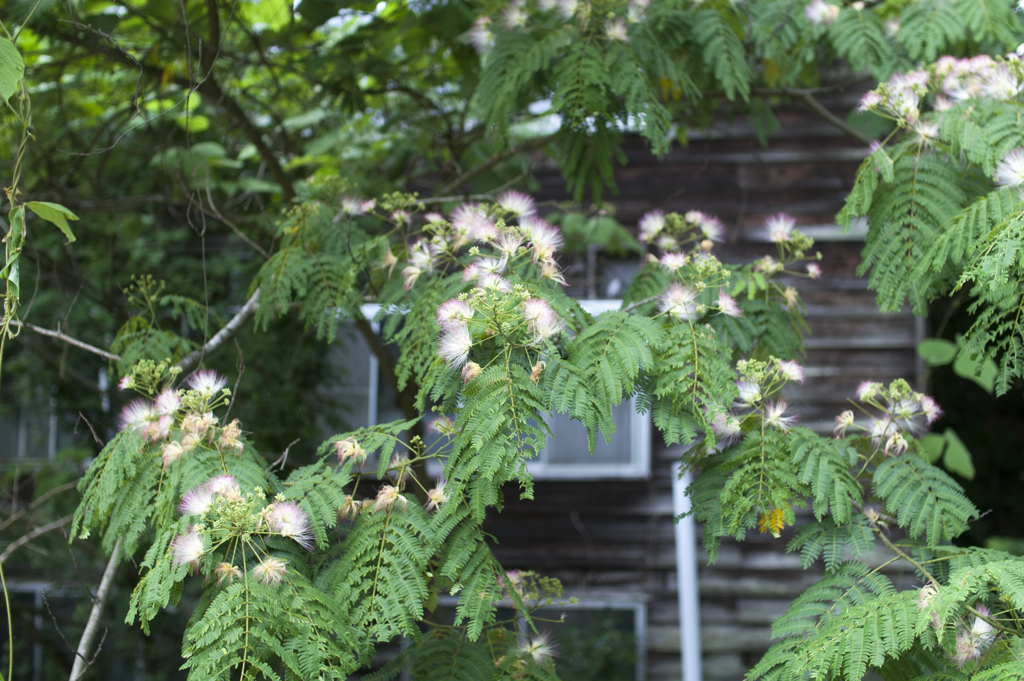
[454, 344]
[813, 270]
[517, 203]
[207, 382]
[197, 501]
[680, 302]
[774, 415]
[225, 486]
[779, 227]
[1010, 170]
[727, 305]
[674, 261]
[168, 403]
[137, 415]
[271, 571]
[791, 371]
[454, 311]
[651, 225]
[545, 239]
[187, 549]
[288, 520]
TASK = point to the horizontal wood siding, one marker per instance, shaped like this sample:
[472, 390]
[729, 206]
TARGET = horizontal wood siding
[604, 538]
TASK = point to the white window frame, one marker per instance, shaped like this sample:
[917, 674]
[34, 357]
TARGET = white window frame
[638, 467]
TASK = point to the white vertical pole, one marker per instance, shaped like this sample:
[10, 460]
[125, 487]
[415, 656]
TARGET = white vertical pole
[686, 578]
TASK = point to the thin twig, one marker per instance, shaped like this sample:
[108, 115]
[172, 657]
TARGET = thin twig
[42, 529]
[192, 360]
[67, 339]
[493, 160]
[283, 459]
[36, 502]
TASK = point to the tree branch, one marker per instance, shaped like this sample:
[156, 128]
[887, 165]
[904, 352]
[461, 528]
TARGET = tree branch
[192, 360]
[67, 339]
[93, 625]
[493, 160]
[42, 529]
[807, 95]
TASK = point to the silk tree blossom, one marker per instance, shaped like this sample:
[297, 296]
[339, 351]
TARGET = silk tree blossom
[288, 520]
[616, 30]
[437, 495]
[843, 422]
[158, 429]
[187, 549]
[972, 643]
[230, 436]
[881, 429]
[492, 265]
[791, 371]
[779, 227]
[271, 571]
[197, 501]
[674, 261]
[680, 302]
[549, 270]
[711, 226]
[539, 648]
[667, 242]
[636, 9]
[349, 448]
[388, 496]
[517, 203]
[207, 382]
[870, 100]
[896, 445]
[1000, 83]
[493, 282]
[409, 277]
[813, 270]
[353, 205]
[820, 13]
[749, 393]
[198, 424]
[927, 132]
[442, 425]
[471, 273]
[508, 244]
[727, 430]
[226, 572]
[727, 305]
[774, 415]
[867, 390]
[470, 371]
[225, 487]
[454, 343]
[929, 408]
[137, 415]
[544, 238]
[1010, 170]
[566, 8]
[472, 220]
[791, 296]
[651, 225]
[480, 36]
[541, 320]
[423, 255]
[167, 403]
[454, 311]
[515, 16]
[170, 453]
[126, 382]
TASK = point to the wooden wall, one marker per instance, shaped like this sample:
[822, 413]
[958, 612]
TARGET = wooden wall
[603, 538]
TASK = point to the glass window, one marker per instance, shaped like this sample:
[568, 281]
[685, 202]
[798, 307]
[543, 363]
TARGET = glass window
[597, 640]
[369, 400]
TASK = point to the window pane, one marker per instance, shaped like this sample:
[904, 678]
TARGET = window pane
[350, 356]
[569, 442]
